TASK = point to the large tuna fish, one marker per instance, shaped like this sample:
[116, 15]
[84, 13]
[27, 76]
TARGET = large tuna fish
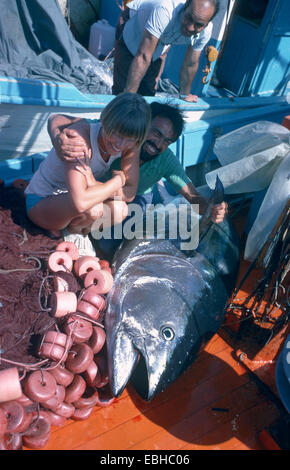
[165, 304]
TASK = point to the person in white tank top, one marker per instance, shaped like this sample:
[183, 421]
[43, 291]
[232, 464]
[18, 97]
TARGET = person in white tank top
[68, 194]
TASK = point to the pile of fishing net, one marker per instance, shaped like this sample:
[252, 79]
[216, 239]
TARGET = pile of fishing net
[53, 363]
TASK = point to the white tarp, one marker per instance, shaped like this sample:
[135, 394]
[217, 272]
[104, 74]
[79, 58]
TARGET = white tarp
[250, 157]
[253, 158]
[271, 208]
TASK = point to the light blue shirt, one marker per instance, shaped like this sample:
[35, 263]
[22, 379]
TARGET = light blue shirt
[161, 18]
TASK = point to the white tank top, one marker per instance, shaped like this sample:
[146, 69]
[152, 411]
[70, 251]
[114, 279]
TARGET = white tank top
[50, 178]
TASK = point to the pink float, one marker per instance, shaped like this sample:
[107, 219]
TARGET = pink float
[60, 284]
[105, 397]
[102, 280]
[55, 420]
[52, 351]
[62, 375]
[40, 386]
[25, 423]
[88, 309]
[11, 442]
[104, 264]
[75, 390]
[56, 337]
[64, 409]
[82, 413]
[81, 330]
[98, 339]
[70, 248]
[65, 281]
[57, 398]
[93, 297]
[86, 264]
[10, 386]
[24, 400]
[39, 434]
[62, 303]
[101, 362]
[3, 422]
[91, 374]
[80, 356]
[15, 415]
[88, 399]
[54, 346]
[60, 261]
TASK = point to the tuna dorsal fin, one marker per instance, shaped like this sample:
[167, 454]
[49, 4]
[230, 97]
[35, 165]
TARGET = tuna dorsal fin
[216, 198]
[219, 192]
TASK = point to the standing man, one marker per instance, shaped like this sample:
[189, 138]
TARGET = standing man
[145, 31]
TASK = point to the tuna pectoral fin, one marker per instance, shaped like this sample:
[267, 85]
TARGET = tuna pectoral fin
[122, 359]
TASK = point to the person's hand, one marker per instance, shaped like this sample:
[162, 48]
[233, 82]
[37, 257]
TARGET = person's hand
[121, 174]
[219, 212]
[72, 143]
[191, 98]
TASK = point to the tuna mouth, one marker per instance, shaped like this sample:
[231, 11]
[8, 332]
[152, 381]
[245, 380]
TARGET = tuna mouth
[122, 360]
[140, 380]
[134, 370]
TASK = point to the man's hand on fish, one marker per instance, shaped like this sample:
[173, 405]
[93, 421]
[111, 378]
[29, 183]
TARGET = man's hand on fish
[72, 144]
[219, 212]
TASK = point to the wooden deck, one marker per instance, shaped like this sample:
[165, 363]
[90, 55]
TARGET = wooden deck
[218, 404]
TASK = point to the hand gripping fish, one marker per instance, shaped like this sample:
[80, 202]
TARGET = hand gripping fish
[166, 303]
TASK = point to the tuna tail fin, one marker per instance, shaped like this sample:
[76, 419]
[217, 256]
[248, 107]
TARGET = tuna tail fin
[216, 198]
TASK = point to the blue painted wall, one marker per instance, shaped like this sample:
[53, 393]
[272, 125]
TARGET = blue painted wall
[255, 59]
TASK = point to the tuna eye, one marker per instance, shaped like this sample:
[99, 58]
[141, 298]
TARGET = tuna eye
[167, 333]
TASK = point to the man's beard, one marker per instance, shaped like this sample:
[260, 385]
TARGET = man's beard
[146, 157]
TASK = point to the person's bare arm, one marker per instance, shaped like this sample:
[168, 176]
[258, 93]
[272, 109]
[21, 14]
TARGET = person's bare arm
[85, 191]
[141, 61]
[187, 73]
[130, 164]
[69, 136]
[191, 195]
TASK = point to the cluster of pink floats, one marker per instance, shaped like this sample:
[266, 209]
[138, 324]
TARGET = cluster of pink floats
[74, 379]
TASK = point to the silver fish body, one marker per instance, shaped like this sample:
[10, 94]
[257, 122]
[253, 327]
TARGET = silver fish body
[165, 304]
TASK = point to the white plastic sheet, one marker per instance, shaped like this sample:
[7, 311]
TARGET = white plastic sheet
[271, 208]
[250, 157]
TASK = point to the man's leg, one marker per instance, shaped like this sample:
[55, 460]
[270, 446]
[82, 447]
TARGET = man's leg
[148, 84]
[122, 61]
[122, 57]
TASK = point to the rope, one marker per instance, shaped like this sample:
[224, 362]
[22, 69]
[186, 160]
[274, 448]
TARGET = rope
[6, 271]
